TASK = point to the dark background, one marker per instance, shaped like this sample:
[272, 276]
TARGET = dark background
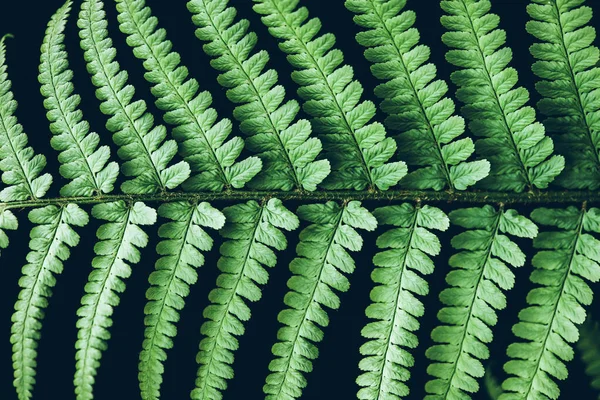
[336, 369]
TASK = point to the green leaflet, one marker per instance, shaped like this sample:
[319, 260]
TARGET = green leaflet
[478, 275]
[322, 257]
[252, 230]
[119, 240]
[285, 148]
[49, 248]
[570, 83]
[20, 167]
[184, 240]
[589, 351]
[8, 221]
[359, 152]
[415, 102]
[568, 257]
[82, 161]
[395, 308]
[141, 144]
[516, 145]
[202, 141]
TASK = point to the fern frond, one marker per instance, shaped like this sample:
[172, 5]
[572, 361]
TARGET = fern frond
[589, 349]
[479, 273]
[20, 166]
[514, 143]
[358, 150]
[394, 306]
[49, 248]
[287, 151]
[568, 258]
[567, 66]
[82, 161]
[120, 239]
[202, 141]
[415, 102]
[183, 241]
[142, 145]
[253, 230]
[9, 222]
[322, 257]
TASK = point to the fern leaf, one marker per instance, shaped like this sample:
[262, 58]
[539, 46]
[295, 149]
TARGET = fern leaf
[142, 145]
[415, 102]
[478, 275]
[183, 241]
[21, 167]
[322, 257]
[519, 152]
[358, 150]
[253, 230]
[49, 248]
[288, 153]
[120, 239]
[395, 308]
[8, 221]
[568, 258]
[569, 86]
[202, 141]
[82, 162]
[589, 350]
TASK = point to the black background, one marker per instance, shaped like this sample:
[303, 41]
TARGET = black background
[336, 369]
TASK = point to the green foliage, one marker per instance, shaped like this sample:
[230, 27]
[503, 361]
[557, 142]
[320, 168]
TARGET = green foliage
[358, 150]
[8, 221]
[183, 241]
[202, 141]
[322, 257]
[478, 275]
[394, 307]
[118, 244]
[590, 352]
[287, 151]
[569, 86]
[141, 144]
[252, 230]
[568, 257]
[20, 166]
[49, 248]
[497, 110]
[82, 161]
[350, 161]
[415, 102]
